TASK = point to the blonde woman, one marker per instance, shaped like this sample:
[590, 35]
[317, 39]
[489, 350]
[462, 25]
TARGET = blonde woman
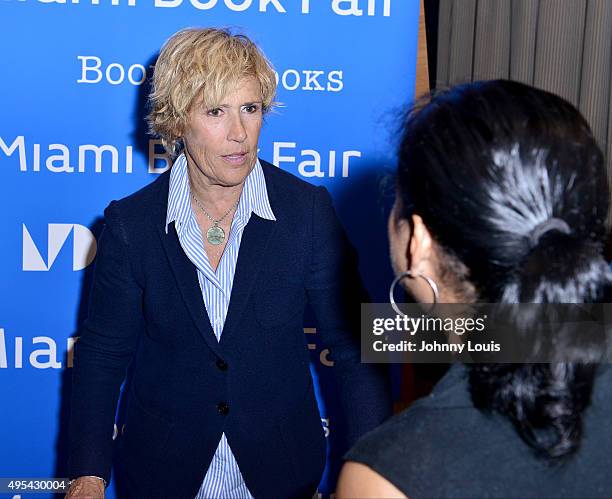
[201, 282]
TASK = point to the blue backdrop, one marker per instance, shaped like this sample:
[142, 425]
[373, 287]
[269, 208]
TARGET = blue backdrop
[72, 138]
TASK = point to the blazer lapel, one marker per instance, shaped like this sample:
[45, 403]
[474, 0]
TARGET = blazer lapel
[253, 247]
[186, 277]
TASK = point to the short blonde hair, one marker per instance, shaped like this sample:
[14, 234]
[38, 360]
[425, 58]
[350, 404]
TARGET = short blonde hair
[198, 63]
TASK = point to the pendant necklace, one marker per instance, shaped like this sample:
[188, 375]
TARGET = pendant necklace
[215, 235]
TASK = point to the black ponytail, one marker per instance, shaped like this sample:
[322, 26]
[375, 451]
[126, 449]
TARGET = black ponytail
[512, 186]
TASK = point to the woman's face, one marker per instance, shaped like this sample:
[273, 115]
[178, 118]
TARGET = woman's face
[221, 143]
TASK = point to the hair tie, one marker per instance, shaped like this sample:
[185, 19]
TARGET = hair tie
[546, 226]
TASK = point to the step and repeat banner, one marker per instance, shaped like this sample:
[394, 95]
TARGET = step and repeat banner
[72, 138]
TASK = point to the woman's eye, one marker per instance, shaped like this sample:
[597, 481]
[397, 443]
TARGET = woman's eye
[214, 112]
[251, 108]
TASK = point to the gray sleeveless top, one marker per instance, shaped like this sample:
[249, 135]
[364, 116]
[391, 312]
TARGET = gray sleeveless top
[443, 447]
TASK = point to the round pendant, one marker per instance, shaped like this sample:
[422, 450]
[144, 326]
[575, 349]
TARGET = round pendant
[215, 235]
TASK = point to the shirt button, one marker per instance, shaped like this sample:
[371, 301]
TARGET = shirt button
[223, 409]
[222, 365]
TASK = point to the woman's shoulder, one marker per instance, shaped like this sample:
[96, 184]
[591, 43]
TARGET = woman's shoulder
[442, 444]
[419, 437]
[358, 480]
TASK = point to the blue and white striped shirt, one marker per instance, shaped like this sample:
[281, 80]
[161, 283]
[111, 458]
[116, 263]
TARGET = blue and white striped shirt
[223, 478]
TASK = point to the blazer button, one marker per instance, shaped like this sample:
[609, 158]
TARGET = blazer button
[222, 365]
[222, 409]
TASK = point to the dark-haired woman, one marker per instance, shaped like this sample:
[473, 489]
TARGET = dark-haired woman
[501, 197]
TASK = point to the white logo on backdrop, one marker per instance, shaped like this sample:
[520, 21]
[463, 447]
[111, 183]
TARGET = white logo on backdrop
[308, 162]
[313, 163]
[113, 3]
[356, 8]
[11, 352]
[94, 70]
[83, 248]
[311, 80]
[60, 161]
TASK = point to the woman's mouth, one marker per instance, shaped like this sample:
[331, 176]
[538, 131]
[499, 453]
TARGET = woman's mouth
[235, 158]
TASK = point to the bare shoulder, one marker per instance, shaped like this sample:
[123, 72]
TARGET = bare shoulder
[358, 480]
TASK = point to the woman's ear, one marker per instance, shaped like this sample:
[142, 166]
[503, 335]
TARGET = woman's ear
[422, 262]
[412, 250]
[420, 247]
[399, 240]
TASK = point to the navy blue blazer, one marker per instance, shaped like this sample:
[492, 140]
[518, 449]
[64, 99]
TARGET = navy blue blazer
[146, 308]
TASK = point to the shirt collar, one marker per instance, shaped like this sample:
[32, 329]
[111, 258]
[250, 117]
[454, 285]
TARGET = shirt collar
[254, 197]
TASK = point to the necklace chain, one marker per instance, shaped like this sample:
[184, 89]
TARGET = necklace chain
[215, 222]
